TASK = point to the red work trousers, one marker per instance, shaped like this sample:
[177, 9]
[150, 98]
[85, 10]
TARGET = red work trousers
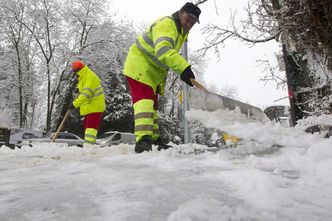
[141, 91]
[92, 120]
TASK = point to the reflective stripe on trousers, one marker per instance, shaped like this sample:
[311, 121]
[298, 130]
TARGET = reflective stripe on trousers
[90, 136]
[145, 110]
[146, 122]
[156, 132]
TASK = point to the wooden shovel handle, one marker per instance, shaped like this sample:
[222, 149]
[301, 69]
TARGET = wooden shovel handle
[198, 85]
[61, 125]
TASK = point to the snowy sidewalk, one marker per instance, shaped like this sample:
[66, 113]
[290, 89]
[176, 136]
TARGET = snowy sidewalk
[60, 183]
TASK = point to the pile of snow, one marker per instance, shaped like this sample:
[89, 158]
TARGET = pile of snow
[324, 119]
[255, 181]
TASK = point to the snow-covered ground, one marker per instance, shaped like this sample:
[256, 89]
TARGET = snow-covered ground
[255, 181]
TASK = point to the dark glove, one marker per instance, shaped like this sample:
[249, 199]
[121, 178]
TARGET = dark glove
[186, 75]
[71, 106]
[74, 79]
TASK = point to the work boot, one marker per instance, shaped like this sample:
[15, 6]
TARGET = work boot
[145, 144]
[161, 145]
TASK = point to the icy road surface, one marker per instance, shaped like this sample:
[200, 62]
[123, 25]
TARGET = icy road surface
[254, 181]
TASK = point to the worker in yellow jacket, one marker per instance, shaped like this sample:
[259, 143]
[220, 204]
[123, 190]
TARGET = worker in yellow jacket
[149, 58]
[90, 101]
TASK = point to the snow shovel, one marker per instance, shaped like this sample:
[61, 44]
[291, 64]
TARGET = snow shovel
[61, 126]
[73, 81]
[211, 102]
[227, 138]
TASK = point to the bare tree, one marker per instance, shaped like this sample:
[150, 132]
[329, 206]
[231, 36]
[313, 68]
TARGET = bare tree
[20, 41]
[259, 26]
[303, 28]
[82, 16]
[43, 23]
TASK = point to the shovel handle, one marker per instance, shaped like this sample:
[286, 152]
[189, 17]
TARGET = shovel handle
[61, 126]
[198, 85]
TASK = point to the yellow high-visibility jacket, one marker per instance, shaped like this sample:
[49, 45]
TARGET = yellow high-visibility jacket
[91, 97]
[155, 51]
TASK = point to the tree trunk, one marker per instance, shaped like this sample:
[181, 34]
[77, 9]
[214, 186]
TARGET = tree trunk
[49, 113]
[20, 93]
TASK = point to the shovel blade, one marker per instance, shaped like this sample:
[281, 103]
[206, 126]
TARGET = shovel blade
[208, 101]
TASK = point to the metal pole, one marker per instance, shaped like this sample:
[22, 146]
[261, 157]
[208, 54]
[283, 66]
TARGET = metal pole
[187, 134]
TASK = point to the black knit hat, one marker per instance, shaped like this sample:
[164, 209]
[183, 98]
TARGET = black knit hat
[192, 10]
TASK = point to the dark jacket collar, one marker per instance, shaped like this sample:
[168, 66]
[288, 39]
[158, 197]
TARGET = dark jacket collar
[176, 18]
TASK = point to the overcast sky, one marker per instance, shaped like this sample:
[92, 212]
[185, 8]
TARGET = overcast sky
[237, 66]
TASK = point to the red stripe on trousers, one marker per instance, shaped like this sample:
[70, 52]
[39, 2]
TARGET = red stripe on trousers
[92, 120]
[141, 91]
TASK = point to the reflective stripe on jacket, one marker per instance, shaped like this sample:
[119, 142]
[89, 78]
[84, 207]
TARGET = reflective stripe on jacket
[91, 97]
[155, 51]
